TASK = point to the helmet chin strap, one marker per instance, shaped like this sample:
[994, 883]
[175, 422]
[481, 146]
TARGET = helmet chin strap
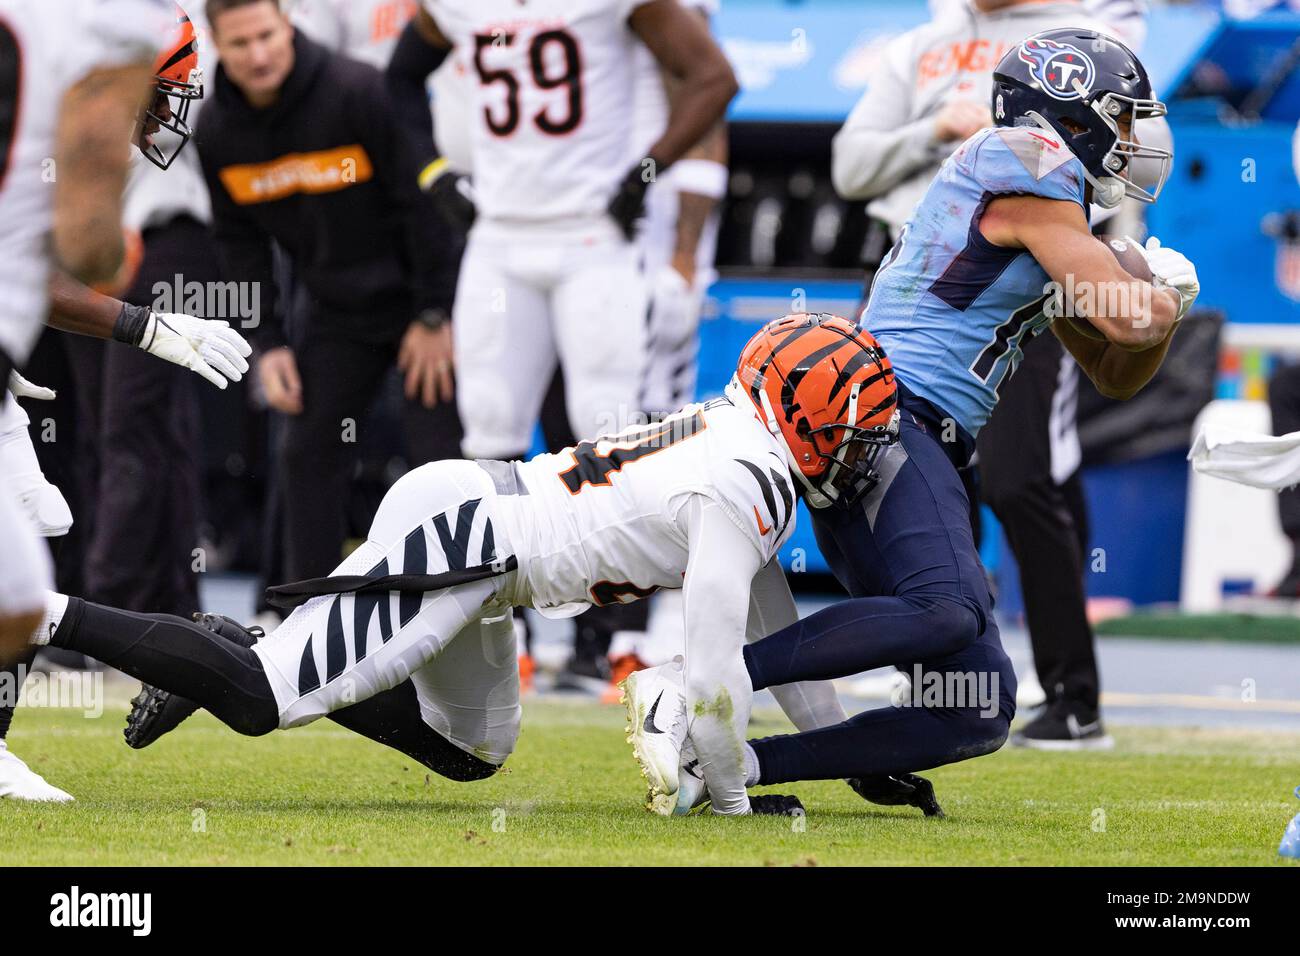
[1107, 191]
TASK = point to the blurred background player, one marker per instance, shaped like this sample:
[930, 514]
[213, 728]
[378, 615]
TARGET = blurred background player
[551, 275]
[335, 186]
[923, 101]
[182, 340]
[74, 77]
[138, 432]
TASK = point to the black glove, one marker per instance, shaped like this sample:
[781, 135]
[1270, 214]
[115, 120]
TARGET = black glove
[448, 192]
[628, 205]
[904, 790]
[775, 805]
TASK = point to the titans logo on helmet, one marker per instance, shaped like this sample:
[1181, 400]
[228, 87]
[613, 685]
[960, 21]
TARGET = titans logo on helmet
[1062, 70]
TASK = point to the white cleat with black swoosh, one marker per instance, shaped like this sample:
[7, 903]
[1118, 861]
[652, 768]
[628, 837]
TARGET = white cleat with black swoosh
[656, 729]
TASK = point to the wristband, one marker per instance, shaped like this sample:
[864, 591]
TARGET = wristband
[702, 177]
[131, 324]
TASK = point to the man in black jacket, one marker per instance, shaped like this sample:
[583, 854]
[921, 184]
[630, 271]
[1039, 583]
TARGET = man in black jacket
[302, 147]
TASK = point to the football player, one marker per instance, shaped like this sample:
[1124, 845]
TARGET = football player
[550, 271]
[997, 250]
[411, 641]
[678, 242]
[211, 349]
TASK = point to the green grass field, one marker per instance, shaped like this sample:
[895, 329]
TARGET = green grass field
[571, 795]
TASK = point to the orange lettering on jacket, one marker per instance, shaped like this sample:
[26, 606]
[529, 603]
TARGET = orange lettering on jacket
[325, 171]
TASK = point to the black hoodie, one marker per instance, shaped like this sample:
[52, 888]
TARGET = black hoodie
[329, 173]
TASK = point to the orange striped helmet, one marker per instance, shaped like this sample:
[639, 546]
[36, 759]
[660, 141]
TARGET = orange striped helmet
[179, 83]
[826, 389]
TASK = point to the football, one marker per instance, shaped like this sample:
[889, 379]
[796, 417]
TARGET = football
[1131, 260]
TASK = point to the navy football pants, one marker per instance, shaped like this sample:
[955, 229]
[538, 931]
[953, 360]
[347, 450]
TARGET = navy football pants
[908, 559]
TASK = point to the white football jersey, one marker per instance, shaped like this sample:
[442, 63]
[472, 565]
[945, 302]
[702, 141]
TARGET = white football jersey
[550, 123]
[46, 48]
[598, 523]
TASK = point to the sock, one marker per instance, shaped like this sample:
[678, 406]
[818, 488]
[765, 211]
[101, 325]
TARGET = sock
[752, 771]
[56, 605]
[10, 683]
[175, 655]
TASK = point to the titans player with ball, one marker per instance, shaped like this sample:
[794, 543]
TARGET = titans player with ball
[979, 268]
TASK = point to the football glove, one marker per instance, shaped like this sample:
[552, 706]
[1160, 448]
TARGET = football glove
[25, 389]
[674, 307]
[206, 346]
[452, 194]
[1172, 270]
[627, 207]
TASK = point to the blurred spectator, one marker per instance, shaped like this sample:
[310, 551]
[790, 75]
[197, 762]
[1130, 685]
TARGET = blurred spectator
[301, 146]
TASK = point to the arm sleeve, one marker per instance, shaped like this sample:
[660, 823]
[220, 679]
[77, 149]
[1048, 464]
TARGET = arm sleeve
[414, 59]
[244, 249]
[810, 705]
[393, 155]
[882, 143]
[718, 693]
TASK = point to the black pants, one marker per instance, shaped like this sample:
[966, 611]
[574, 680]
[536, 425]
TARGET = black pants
[1045, 521]
[340, 379]
[138, 439]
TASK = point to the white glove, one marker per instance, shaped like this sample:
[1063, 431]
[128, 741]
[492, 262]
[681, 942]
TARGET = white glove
[206, 346]
[25, 389]
[674, 308]
[1173, 270]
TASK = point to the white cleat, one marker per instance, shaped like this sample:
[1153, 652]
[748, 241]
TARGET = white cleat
[20, 782]
[656, 729]
[692, 792]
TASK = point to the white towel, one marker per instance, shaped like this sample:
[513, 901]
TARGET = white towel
[1262, 461]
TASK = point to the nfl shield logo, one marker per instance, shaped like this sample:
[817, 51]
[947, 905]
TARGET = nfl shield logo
[1063, 71]
[1287, 272]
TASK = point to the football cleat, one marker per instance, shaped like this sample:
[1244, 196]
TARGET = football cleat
[902, 790]
[20, 782]
[692, 792]
[155, 712]
[527, 674]
[656, 729]
[775, 805]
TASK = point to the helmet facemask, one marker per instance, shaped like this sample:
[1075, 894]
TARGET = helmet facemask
[852, 473]
[1113, 181]
[169, 111]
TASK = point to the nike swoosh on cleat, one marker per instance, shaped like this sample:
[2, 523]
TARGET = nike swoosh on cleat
[649, 723]
[1078, 730]
[691, 769]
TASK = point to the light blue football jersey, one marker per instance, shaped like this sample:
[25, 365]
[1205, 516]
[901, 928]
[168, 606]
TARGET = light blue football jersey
[951, 309]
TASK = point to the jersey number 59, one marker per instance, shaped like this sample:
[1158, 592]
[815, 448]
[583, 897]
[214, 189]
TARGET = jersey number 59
[569, 78]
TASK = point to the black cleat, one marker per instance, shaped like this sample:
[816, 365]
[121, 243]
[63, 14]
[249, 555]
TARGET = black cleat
[775, 805]
[903, 790]
[155, 711]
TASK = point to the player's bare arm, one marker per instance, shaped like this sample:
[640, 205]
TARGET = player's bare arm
[209, 348]
[693, 207]
[1056, 234]
[97, 117]
[682, 45]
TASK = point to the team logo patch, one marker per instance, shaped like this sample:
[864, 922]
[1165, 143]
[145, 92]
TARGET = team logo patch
[1060, 68]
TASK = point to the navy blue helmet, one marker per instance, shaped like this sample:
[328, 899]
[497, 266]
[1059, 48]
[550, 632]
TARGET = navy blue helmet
[1090, 90]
